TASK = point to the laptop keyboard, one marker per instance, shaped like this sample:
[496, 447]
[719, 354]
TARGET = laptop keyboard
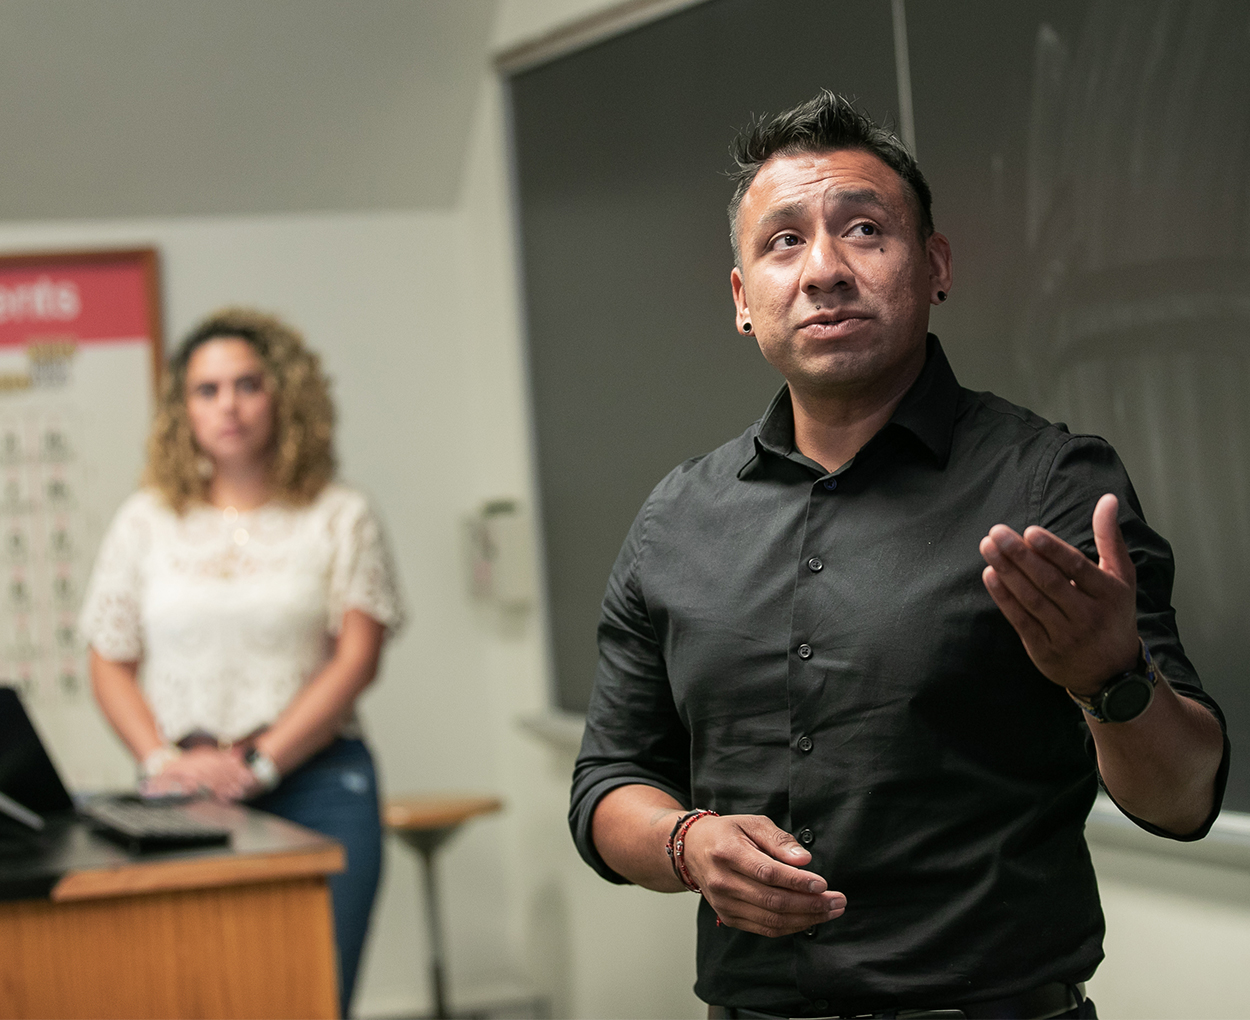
[143, 826]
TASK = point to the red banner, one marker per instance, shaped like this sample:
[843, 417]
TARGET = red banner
[82, 301]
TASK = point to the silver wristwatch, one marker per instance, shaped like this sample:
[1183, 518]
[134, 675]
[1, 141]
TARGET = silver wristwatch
[263, 768]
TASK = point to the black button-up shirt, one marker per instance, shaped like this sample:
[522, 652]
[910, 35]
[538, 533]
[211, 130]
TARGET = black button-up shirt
[819, 648]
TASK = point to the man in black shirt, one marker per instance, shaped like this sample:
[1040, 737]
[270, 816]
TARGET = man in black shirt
[845, 658]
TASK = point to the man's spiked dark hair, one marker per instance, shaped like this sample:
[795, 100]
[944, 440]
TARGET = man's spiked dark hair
[821, 124]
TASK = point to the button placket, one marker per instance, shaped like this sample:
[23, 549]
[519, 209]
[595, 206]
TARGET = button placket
[805, 673]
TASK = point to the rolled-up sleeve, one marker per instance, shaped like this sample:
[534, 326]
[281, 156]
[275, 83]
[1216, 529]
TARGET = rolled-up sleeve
[1084, 468]
[634, 733]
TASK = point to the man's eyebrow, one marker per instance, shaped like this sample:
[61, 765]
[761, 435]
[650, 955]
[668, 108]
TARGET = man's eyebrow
[858, 196]
[841, 196]
[789, 211]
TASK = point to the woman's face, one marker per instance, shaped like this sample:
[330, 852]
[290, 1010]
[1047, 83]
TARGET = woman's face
[229, 403]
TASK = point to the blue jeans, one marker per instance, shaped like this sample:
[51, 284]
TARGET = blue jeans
[335, 793]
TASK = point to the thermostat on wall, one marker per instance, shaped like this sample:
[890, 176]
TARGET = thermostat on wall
[500, 557]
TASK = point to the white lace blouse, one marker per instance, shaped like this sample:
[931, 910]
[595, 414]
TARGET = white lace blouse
[231, 613]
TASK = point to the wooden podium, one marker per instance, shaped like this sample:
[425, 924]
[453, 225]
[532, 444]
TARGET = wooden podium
[243, 931]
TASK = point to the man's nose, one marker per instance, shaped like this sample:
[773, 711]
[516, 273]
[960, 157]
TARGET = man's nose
[825, 267]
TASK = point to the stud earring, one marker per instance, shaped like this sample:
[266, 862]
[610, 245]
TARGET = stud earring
[941, 295]
[746, 327]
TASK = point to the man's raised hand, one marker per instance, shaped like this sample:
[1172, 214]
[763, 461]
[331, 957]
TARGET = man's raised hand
[1077, 619]
[750, 872]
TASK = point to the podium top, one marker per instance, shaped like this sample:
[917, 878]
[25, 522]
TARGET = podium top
[70, 862]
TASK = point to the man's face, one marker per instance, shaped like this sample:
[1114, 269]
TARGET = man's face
[835, 279]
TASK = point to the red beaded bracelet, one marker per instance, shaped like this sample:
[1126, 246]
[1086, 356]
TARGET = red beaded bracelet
[676, 845]
[672, 835]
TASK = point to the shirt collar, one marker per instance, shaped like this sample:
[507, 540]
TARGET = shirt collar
[927, 411]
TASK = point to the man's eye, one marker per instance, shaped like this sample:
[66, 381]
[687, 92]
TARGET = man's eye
[864, 229]
[251, 384]
[207, 390]
[786, 241]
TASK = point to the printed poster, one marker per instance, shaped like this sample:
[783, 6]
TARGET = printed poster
[79, 347]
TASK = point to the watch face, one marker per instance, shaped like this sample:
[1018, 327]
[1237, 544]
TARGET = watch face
[1127, 699]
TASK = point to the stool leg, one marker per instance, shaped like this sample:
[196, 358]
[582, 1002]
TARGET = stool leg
[434, 931]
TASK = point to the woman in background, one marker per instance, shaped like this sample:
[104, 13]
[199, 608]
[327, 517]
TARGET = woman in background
[253, 594]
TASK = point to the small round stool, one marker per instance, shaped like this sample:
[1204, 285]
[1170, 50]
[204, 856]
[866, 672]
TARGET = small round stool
[425, 823]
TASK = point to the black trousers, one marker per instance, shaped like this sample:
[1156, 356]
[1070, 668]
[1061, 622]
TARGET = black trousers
[1085, 1011]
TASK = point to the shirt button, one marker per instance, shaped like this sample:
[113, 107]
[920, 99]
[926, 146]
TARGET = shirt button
[821, 1004]
[806, 835]
[831, 484]
[805, 744]
[815, 564]
[810, 933]
[805, 651]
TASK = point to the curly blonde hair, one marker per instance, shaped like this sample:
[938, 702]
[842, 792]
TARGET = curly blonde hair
[303, 447]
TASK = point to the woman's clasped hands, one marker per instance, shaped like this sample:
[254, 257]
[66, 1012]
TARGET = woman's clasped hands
[211, 771]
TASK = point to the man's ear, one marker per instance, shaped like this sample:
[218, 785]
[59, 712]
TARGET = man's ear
[742, 317]
[938, 250]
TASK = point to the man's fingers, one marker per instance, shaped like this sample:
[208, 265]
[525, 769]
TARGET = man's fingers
[1031, 631]
[1076, 618]
[739, 861]
[723, 891]
[1114, 567]
[1113, 557]
[748, 916]
[753, 847]
[1063, 573]
[1034, 582]
[781, 846]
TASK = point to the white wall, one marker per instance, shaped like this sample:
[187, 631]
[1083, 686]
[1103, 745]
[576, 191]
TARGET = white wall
[1178, 937]
[417, 316]
[591, 948]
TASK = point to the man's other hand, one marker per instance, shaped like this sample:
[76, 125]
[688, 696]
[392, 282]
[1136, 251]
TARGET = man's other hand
[1077, 619]
[750, 872]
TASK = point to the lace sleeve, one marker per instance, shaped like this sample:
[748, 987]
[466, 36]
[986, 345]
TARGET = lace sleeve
[110, 620]
[363, 576]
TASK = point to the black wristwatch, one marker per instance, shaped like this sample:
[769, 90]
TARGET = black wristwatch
[1123, 697]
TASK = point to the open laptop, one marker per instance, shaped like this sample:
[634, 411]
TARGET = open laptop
[33, 800]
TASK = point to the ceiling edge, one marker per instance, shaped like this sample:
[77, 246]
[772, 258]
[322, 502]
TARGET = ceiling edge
[586, 31]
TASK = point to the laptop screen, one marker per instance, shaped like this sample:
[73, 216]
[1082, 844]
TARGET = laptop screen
[27, 774]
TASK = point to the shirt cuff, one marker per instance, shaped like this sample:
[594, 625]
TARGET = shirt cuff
[582, 813]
